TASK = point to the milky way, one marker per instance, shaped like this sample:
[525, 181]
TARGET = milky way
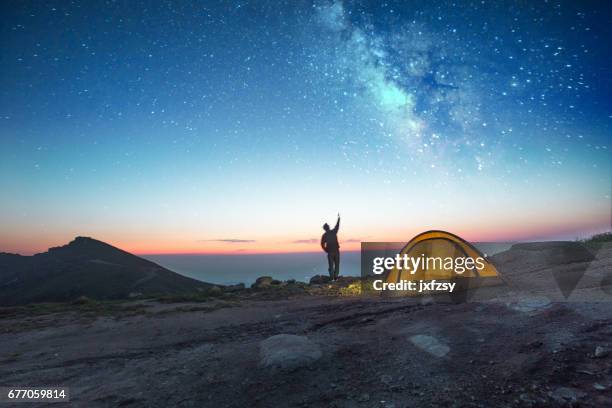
[458, 88]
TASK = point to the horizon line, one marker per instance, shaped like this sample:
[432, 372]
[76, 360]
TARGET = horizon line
[237, 253]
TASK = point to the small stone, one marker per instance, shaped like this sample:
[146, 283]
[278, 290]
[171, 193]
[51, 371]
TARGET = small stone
[564, 395]
[386, 379]
[530, 304]
[364, 398]
[600, 387]
[600, 352]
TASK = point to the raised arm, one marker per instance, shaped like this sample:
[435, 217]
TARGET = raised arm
[337, 227]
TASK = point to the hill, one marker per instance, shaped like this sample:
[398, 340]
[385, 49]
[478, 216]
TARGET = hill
[560, 270]
[85, 267]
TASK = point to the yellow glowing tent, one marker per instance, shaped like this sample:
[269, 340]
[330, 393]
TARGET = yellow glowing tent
[438, 250]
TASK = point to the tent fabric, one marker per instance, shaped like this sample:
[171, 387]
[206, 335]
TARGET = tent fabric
[440, 245]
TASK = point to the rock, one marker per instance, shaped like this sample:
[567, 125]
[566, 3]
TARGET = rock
[565, 395]
[352, 289]
[599, 387]
[386, 379]
[275, 282]
[319, 279]
[262, 282]
[347, 280]
[430, 345]
[529, 304]
[600, 352]
[526, 398]
[81, 300]
[427, 300]
[234, 288]
[288, 352]
[364, 398]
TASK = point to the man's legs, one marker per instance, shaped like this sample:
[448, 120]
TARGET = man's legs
[333, 260]
[336, 265]
[330, 263]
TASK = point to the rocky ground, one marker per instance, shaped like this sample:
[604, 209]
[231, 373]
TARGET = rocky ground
[511, 345]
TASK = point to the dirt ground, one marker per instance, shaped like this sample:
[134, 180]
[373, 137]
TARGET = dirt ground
[504, 348]
[183, 355]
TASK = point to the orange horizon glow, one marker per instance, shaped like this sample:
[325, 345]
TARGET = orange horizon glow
[154, 239]
[177, 245]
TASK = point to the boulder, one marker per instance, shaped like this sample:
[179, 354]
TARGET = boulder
[319, 279]
[288, 352]
[262, 282]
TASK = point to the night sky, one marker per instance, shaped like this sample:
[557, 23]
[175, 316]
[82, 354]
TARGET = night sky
[244, 126]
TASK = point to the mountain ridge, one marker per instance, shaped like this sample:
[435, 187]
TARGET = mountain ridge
[86, 267]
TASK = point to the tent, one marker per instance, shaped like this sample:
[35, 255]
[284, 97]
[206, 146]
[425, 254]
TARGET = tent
[443, 257]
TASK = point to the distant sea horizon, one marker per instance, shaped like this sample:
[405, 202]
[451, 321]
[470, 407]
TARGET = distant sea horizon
[230, 269]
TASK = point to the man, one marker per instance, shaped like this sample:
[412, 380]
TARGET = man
[329, 243]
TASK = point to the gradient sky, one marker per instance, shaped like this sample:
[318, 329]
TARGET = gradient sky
[169, 127]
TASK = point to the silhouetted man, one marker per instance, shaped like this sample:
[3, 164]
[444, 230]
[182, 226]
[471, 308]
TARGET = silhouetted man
[329, 243]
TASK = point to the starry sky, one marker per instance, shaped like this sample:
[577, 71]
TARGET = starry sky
[241, 127]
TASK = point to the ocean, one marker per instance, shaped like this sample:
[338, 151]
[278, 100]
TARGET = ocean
[232, 269]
